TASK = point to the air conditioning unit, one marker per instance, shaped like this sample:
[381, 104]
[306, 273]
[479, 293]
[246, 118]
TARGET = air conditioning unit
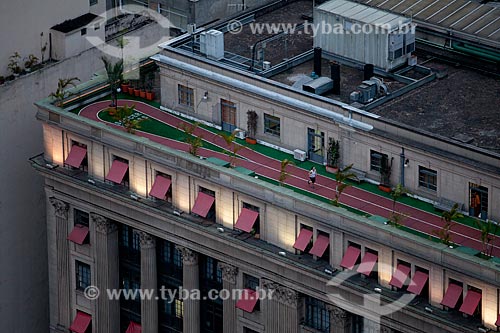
[241, 134]
[266, 65]
[299, 155]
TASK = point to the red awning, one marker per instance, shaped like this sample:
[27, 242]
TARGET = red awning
[471, 302]
[248, 300]
[76, 156]
[418, 282]
[367, 263]
[81, 322]
[400, 275]
[246, 219]
[303, 240]
[203, 204]
[78, 234]
[350, 257]
[160, 187]
[133, 328]
[117, 171]
[452, 295]
[319, 247]
[498, 321]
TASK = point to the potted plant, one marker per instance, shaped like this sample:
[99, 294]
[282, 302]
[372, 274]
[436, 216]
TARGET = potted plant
[124, 86]
[61, 93]
[30, 62]
[14, 64]
[332, 156]
[251, 126]
[150, 95]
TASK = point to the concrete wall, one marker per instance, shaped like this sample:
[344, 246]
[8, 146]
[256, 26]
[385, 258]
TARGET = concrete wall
[454, 174]
[23, 21]
[282, 212]
[23, 278]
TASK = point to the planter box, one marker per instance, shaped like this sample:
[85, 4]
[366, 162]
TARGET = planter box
[142, 94]
[131, 90]
[331, 169]
[124, 88]
[251, 141]
[150, 95]
[137, 92]
[384, 188]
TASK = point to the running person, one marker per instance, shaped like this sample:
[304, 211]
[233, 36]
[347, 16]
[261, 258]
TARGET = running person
[312, 176]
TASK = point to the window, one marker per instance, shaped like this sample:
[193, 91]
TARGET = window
[185, 95]
[211, 213]
[97, 26]
[82, 275]
[170, 260]
[427, 178]
[251, 282]
[256, 226]
[93, 2]
[130, 245]
[83, 32]
[80, 217]
[378, 161]
[272, 125]
[317, 315]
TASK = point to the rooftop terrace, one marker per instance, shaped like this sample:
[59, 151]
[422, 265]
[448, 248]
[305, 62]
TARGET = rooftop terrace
[440, 97]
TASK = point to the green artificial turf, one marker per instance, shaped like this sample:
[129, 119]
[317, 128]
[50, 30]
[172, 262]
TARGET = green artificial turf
[156, 127]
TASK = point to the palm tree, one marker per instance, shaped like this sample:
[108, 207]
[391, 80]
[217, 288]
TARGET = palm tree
[115, 75]
[122, 114]
[444, 233]
[283, 172]
[341, 177]
[229, 140]
[488, 231]
[61, 94]
[195, 142]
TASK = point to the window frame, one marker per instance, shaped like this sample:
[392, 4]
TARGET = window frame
[425, 177]
[93, 2]
[185, 96]
[256, 226]
[376, 160]
[269, 121]
[83, 275]
[317, 315]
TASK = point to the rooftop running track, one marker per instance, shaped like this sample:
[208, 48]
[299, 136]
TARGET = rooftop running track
[360, 199]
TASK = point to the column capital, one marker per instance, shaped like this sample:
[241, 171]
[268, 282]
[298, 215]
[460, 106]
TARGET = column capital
[189, 257]
[60, 207]
[229, 272]
[337, 315]
[146, 240]
[281, 293]
[102, 224]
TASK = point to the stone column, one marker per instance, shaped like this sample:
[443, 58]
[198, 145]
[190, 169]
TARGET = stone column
[63, 283]
[283, 304]
[106, 270]
[190, 281]
[340, 321]
[149, 307]
[229, 274]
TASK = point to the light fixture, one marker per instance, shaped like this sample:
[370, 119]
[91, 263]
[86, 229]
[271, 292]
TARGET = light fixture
[282, 253]
[134, 197]
[219, 229]
[205, 95]
[377, 289]
[428, 309]
[178, 212]
[328, 271]
[91, 181]
[407, 163]
[51, 166]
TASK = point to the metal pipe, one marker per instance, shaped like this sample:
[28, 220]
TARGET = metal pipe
[402, 159]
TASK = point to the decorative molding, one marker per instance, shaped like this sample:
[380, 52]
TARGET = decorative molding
[281, 293]
[147, 241]
[339, 317]
[229, 272]
[61, 207]
[102, 224]
[189, 257]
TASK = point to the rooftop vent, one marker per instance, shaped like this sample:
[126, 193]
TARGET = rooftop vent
[212, 44]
